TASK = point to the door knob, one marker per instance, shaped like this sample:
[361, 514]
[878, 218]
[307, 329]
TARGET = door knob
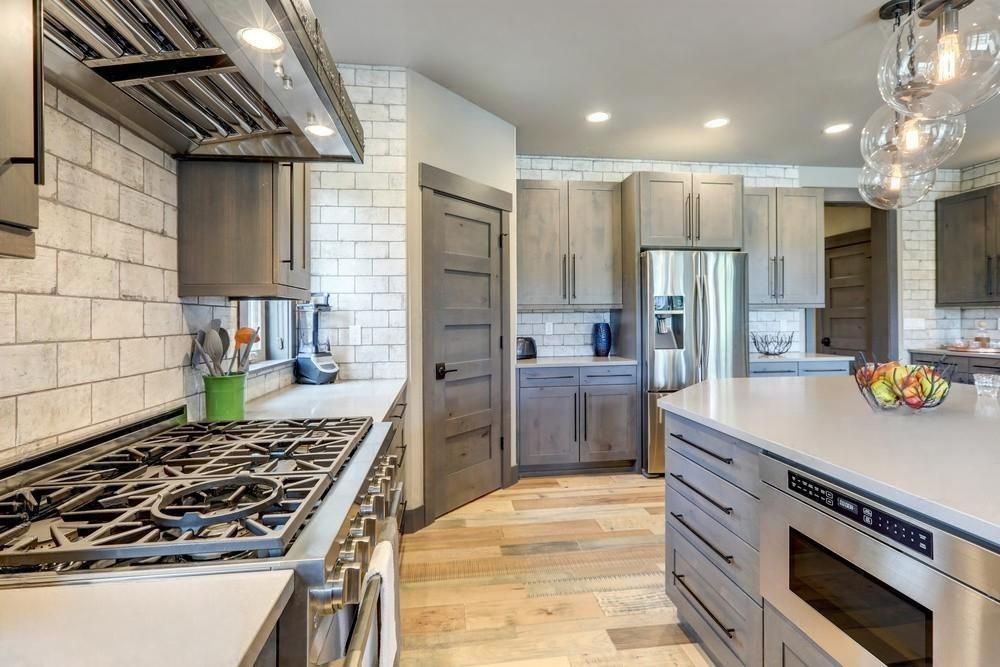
[826, 341]
[440, 371]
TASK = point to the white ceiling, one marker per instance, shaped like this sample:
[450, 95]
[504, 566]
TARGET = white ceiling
[780, 69]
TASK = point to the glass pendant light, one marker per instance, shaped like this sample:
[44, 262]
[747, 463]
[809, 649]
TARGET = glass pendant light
[894, 190]
[892, 142]
[944, 59]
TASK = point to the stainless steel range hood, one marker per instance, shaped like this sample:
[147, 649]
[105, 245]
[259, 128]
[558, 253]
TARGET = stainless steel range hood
[181, 74]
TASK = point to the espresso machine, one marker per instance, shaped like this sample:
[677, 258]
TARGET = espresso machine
[314, 363]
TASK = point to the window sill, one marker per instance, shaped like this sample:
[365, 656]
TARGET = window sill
[262, 367]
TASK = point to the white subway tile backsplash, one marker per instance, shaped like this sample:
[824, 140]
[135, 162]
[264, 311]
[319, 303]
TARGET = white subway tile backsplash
[63, 227]
[48, 413]
[162, 319]
[73, 108]
[87, 361]
[142, 355]
[67, 138]
[114, 161]
[83, 189]
[141, 210]
[117, 398]
[44, 318]
[27, 368]
[164, 387]
[115, 319]
[7, 320]
[36, 275]
[83, 275]
[159, 251]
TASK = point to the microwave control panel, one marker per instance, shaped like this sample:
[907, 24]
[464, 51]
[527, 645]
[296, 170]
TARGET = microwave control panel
[894, 528]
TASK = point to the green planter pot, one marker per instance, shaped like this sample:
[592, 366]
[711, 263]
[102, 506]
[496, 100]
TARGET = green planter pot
[225, 397]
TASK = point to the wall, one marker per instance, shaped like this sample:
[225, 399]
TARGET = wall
[568, 334]
[359, 233]
[844, 219]
[448, 132]
[92, 332]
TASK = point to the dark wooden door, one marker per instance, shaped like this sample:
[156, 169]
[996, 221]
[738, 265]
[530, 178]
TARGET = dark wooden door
[542, 243]
[548, 425]
[845, 325]
[966, 246]
[609, 423]
[595, 243]
[462, 355]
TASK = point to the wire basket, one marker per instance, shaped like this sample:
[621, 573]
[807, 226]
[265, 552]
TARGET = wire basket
[886, 386]
[772, 345]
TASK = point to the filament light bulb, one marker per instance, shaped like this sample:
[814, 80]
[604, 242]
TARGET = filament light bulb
[912, 140]
[896, 179]
[948, 47]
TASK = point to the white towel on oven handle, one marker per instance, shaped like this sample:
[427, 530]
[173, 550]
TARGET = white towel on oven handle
[383, 564]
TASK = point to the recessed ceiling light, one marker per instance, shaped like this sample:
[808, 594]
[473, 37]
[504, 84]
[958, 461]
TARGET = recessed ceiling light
[262, 40]
[716, 123]
[598, 116]
[319, 130]
[836, 128]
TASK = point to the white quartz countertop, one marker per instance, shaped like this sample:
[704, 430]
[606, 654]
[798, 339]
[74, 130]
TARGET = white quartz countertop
[952, 353]
[942, 463]
[216, 620]
[543, 362]
[798, 356]
[348, 398]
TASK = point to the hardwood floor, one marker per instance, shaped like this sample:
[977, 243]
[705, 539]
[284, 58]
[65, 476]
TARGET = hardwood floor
[552, 572]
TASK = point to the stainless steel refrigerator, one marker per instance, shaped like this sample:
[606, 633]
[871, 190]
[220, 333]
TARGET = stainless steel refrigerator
[694, 327]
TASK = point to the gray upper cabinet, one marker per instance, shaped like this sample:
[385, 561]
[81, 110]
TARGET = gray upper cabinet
[569, 247]
[968, 248]
[689, 210]
[785, 243]
[251, 243]
[22, 149]
[595, 242]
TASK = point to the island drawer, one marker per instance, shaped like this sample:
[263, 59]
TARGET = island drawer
[734, 557]
[728, 457]
[730, 505]
[556, 376]
[607, 375]
[989, 366]
[773, 368]
[702, 593]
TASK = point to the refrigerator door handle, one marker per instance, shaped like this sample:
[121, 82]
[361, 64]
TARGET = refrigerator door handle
[703, 328]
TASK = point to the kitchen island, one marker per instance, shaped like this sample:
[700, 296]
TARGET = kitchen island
[790, 498]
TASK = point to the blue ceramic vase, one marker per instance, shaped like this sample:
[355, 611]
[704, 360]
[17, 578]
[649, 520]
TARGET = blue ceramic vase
[602, 339]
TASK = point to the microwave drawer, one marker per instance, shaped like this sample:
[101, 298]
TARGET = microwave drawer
[734, 557]
[725, 456]
[731, 615]
[728, 504]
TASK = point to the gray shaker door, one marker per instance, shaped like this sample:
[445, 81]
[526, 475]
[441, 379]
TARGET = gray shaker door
[759, 240]
[595, 243]
[462, 320]
[548, 425]
[665, 210]
[723, 314]
[610, 423]
[668, 337]
[718, 211]
[801, 247]
[542, 243]
[966, 267]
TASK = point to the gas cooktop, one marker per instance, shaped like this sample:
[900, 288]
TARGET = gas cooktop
[195, 492]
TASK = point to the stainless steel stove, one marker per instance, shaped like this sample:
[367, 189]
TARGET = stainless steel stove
[305, 494]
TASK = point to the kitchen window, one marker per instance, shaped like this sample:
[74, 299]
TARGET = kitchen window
[275, 321]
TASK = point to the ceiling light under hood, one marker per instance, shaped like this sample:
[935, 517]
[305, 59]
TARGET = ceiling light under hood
[319, 129]
[262, 39]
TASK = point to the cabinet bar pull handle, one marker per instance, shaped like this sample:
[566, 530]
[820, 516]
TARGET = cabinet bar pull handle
[565, 280]
[989, 274]
[770, 276]
[727, 461]
[585, 416]
[574, 275]
[576, 417]
[697, 220]
[680, 478]
[718, 552]
[679, 578]
[782, 276]
[687, 216]
[39, 92]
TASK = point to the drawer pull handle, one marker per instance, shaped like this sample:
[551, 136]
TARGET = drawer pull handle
[612, 375]
[728, 461]
[680, 478]
[679, 578]
[766, 372]
[718, 552]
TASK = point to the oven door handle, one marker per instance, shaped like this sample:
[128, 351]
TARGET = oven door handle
[367, 613]
[680, 478]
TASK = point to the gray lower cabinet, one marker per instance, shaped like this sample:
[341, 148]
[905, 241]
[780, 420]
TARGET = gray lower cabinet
[569, 244]
[548, 431]
[784, 230]
[577, 417]
[786, 646]
[688, 210]
[712, 538]
[966, 367]
[803, 368]
[251, 243]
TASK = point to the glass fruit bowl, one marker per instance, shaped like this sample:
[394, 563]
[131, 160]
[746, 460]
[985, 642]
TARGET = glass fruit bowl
[888, 385]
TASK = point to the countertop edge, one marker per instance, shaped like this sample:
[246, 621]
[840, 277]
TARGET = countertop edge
[972, 354]
[280, 602]
[965, 523]
[556, 362]
[798, 358]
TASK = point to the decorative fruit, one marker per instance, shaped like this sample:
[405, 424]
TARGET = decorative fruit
[892, 384]
[884, 392]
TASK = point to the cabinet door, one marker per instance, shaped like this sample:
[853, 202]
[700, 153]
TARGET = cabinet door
[595, 243]
[801, 250]
[965, 239]
[787, 646]
[542, 243]
[609, 423]
[759, 229]
[300, 272]
[664, 210]
[718, 211]
[20, 123]
[548, 425]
